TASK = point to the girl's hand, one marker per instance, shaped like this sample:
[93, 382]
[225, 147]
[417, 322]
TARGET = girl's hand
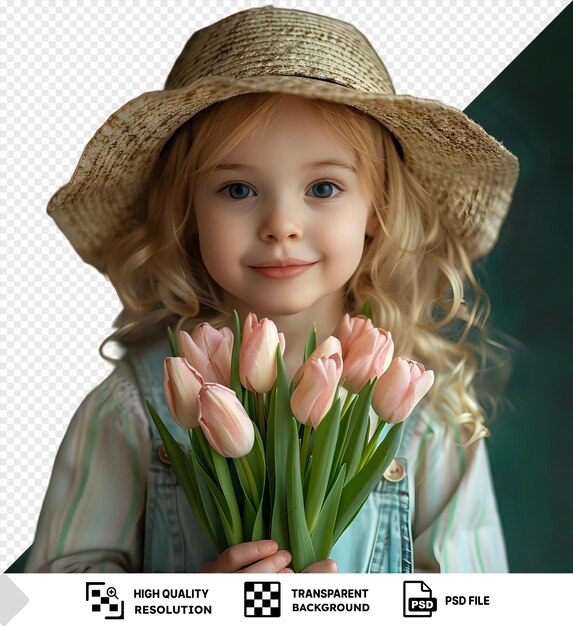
[329, 566]
[262, 557]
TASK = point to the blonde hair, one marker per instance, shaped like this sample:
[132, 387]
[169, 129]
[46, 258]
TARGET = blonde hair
[414, 270]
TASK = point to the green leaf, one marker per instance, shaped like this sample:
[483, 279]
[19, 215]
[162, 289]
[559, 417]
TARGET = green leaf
[245, 484]
[342, 442]
[367, 309]
[279, 521]
[281, 432]
[305, 432]
[226, 484]
[326, 436]
[232, 537]
[250, 478]
[256, 461]
[357, 490]
[259, 528]
[270, 448]
[194, 500]
[203, 451]
[235, 380]
[249, 405]
[172, 342]
[300, 542]
[310, 345]
[306, 479]
[256, 458]
[176, 454]
[249, 517]
[211, 512]
[323, 531]
[358, 428]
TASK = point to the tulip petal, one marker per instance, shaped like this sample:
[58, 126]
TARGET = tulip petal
[422, 385]
[391, 389]
[192, 353]
[209, 351]
[224, 421]
[257, 359]
[181, 385]
[368, 357]
[349, 329]
[330, 348]
[312, 397]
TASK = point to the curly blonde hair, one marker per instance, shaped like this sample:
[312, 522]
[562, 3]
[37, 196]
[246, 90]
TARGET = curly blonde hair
[414, 270]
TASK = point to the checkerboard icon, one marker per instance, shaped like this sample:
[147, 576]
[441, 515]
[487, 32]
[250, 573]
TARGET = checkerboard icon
[104, 601]
[262, 599]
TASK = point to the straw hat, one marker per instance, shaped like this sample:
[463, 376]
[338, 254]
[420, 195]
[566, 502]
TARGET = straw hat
[267, 49]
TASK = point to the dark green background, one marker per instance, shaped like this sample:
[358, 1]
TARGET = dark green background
[528, 275]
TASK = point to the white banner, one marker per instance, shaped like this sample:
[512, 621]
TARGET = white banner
[455, 599]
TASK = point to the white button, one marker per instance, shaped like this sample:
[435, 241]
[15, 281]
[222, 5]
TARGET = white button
[395, 472]
[162, 454]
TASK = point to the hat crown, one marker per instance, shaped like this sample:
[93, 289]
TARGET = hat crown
[282, 42]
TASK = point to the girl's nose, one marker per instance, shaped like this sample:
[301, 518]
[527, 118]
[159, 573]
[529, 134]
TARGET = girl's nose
[281, 224]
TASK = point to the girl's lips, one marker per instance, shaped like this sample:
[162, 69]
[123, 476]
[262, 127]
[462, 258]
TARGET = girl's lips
[289, 271]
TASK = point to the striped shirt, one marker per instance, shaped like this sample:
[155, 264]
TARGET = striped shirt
[92, 518]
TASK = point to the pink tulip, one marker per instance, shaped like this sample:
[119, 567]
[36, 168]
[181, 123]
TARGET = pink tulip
[181, 385]
[400, 389]
[208, 350]
[329, 348]
[349, 329]
[257, 358]
[312, 397]
[224, 421]
[369, 356]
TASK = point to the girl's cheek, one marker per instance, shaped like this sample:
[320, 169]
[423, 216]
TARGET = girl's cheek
[342, 233]
[214, 228]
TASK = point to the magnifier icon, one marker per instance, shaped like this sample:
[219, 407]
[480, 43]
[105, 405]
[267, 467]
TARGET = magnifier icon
[112, 593]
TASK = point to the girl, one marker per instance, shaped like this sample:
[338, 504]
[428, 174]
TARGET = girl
[279, 173]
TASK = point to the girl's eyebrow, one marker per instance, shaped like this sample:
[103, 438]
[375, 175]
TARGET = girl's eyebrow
[332, 163]
[245, 166]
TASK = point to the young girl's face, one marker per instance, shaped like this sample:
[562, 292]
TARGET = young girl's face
[282, 219]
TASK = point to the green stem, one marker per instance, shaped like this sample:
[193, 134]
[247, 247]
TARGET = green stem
[261, 415]
[369, 450]
[304, 451]
[252, 483]
[349, 397]
[206, 448]
[225, 482]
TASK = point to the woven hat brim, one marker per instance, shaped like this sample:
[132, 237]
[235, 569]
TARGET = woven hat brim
[469, 174]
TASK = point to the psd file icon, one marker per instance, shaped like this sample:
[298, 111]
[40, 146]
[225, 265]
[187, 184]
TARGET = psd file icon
[418, 599]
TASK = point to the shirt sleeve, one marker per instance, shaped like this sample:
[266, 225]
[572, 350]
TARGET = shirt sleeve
[92, 515]
[456, 524]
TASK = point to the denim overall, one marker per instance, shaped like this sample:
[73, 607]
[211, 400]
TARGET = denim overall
[378, 539]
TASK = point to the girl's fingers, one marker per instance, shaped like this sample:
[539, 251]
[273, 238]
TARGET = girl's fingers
[241, 555]
[271, 565]
[286, 570]
[322, 567]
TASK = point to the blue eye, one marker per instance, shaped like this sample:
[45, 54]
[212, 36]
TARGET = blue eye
[239, 191]
[324, 189]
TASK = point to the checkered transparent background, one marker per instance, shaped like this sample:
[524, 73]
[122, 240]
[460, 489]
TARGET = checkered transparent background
[66, 66]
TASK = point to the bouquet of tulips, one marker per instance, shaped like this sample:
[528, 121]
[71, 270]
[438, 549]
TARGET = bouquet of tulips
[296, 462]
